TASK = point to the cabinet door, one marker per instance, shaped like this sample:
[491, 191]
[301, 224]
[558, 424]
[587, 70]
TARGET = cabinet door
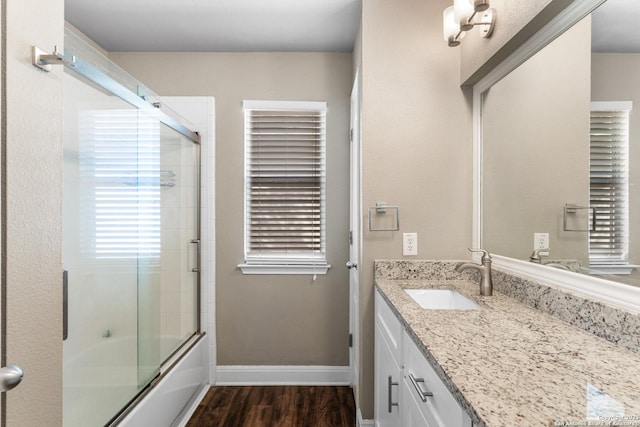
[412, 413]
[388, 379]
[439, 407]
[390, 327]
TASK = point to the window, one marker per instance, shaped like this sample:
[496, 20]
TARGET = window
[609, 187]
[120, 182]
[285, 186]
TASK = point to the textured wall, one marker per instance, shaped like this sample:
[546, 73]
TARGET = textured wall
[31, 219]
[416, 146]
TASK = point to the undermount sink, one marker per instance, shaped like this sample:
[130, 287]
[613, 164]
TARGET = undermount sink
[441, 299]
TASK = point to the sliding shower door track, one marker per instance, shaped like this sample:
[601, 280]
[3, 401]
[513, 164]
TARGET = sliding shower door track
[94, 75]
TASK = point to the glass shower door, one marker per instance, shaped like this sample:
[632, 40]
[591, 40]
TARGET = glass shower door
[99, 196]
[167, 315]
[130, 245]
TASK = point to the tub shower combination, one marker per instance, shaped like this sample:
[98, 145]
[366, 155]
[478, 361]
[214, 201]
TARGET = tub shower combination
[131, 239]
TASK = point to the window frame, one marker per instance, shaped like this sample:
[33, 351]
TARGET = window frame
[300, 262]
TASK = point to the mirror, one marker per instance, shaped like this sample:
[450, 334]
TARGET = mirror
[544, 170]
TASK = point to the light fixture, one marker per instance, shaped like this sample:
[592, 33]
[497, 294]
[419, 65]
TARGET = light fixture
[463, 16]
[462, 13]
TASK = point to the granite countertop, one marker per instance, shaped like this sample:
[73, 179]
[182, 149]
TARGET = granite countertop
[508, 364]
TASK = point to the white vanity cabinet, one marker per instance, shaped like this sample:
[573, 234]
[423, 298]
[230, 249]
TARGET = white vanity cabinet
[408, 391]
[388, 368]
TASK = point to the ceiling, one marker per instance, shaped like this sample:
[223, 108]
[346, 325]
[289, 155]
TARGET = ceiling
[615, 27]
[273, 25]
[217, 25]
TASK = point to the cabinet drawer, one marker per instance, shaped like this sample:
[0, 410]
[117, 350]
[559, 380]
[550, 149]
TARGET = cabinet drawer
[390, 326]
[440, 407]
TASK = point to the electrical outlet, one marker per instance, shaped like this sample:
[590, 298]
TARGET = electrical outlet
[541, 241]
[409, 244]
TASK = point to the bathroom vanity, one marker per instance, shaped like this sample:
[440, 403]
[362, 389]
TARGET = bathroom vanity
[408, 390]
[500, 363]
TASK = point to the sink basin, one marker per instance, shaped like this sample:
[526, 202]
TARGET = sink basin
[441, 299]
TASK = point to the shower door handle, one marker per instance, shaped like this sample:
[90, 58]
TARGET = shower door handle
[196, 269]
[65, 305]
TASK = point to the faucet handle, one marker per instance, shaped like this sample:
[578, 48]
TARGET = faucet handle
[485, 254]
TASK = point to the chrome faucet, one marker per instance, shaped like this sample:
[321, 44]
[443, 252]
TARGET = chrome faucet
[486, 285]
[536, 257]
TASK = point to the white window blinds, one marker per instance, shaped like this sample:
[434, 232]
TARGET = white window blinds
[120, 182]
[285, 176]
[609, 185]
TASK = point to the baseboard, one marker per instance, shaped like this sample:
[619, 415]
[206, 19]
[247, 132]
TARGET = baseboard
[283, 375]
[364, 423]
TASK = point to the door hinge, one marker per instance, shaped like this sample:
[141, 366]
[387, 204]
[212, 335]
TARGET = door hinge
[351, 237]
[351, 135]
[350, 340]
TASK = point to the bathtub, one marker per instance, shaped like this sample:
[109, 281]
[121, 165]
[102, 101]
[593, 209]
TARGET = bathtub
[100, 381]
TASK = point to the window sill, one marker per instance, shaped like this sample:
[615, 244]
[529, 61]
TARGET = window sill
[284, 269]
[611, 268]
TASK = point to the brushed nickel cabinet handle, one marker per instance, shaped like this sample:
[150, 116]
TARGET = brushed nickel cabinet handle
[423, 394]
[390, 384]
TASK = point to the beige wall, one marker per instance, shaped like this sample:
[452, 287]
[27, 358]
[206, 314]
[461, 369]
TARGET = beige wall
[31, 219]
[616, 77]
[416, 145]
[536, 150]
[267, 319]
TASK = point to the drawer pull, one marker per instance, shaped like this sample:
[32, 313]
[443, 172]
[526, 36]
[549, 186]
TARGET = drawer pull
[390, 384]
[423, 394]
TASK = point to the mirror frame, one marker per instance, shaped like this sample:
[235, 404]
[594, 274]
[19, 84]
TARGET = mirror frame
[614, 293]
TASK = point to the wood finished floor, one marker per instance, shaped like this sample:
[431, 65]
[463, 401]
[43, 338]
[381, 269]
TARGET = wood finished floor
[276, 406]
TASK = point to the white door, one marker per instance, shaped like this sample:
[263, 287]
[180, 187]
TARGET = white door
[354, 233]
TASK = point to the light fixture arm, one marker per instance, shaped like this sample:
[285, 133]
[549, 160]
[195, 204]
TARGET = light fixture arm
[487, 19]
[481, 15]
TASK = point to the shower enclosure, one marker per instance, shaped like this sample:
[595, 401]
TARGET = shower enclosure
[131, 240]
